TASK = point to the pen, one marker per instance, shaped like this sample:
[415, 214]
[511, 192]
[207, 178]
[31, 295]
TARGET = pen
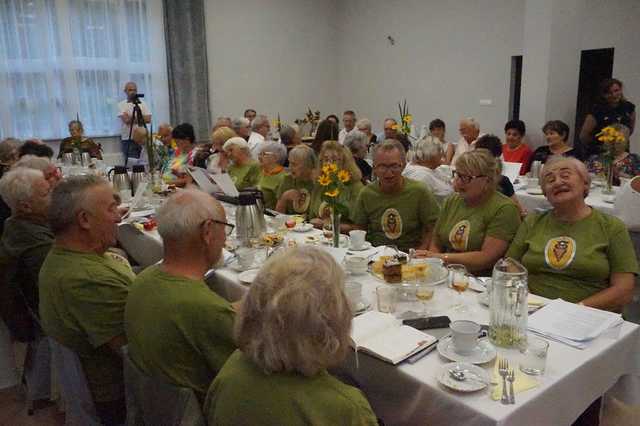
[417, 357]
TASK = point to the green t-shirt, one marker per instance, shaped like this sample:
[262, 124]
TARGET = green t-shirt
[269, 184]
[572, 261]
[306, 189]
[396, 219]
[242, 393]
[246, 176]
[82, 299]
[461, 228]
[348, 197]
[178, 329]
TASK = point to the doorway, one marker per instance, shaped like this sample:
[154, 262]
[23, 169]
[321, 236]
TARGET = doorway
[595, 66]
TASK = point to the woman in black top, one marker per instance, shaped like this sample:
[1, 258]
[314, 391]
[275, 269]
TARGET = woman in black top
[613, 108]
[556, 133]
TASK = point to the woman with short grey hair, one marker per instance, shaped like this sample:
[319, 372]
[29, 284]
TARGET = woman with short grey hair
[244, 170]
[294, 194]
[271, 156]
[364, 125]
[425, 161]
[293, 324]
[46, 166]
[358, 143]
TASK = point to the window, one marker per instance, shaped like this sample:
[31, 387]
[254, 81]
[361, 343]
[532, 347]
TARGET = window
[65, 58]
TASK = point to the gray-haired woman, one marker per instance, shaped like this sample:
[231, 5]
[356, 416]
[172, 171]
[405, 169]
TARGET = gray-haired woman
[292, 326]
[271, 157]
[358, 143]
[425, 160]
[294, 194]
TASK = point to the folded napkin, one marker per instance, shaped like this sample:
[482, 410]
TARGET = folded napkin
[521, 384]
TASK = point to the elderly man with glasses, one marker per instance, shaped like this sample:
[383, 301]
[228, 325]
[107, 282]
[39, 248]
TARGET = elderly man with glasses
[178, 329]
[395, 210]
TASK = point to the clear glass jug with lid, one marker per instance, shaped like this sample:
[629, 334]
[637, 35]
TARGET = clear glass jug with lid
[508, 304]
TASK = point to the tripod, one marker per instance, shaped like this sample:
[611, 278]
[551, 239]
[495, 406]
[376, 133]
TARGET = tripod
[136, 118]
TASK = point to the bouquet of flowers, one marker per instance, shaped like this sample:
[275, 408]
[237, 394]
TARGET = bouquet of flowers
[609, 136]
[311, 118]
[405, 118]
[333, 182]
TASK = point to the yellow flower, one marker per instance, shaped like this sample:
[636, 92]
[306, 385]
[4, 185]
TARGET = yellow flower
[332, 167]
[344, 176]
[325, 169]
[333, 194]
[407, 118]
[620, 138]
[324, 180]
[395, 127]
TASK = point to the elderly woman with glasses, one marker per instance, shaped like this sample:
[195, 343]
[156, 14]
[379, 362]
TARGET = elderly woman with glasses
[244, 171]
[294, 194]
[573, 251]
[334, 153]
[292, 326]
[271, 156]
[77, 141]
[477, 223]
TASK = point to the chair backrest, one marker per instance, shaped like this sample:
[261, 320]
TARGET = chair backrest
[78, 402]
[151, 401]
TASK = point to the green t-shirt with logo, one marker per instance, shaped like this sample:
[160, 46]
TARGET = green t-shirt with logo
[82, 299]
[396, 219]
[246, 176]
[572, 261]
[269, 184]
[461, 228]
[348, 197]
[243, 393]
[178, 329]
[306, 190]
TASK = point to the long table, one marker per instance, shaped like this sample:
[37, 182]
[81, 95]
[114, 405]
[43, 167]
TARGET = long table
[410, 394]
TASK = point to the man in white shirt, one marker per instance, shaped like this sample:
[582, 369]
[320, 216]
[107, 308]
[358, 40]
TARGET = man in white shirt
[469, 132]
[426, 166]
[260, 129]
[125, 114]
[349, 120]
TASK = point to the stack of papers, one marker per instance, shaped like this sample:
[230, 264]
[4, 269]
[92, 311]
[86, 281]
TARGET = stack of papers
[574, 325]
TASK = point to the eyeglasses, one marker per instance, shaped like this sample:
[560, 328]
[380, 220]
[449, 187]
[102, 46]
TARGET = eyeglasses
[465, 178]
[383, 168]
[228, 228]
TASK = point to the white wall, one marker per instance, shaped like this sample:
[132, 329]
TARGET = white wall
[448, 55]
[276, 56]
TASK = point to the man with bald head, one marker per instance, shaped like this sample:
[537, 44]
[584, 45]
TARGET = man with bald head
[125, 115]
[178, 329]
[469, 133]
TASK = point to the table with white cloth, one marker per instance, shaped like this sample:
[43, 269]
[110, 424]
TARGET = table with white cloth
[536, 202]
[409, 394]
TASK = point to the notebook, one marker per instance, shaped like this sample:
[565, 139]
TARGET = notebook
[383, 336]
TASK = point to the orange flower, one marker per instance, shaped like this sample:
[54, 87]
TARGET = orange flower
[344, 176]
[333, 193]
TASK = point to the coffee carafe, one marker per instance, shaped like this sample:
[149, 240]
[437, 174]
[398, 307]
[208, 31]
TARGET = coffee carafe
[137, 177]
[250, 221]
[120, 179]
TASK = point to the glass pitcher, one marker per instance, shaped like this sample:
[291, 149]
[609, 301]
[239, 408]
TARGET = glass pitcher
[508, 304]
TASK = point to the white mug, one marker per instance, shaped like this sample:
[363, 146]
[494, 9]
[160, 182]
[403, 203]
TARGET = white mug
[357, 238]
[356, 264]
[464, 336]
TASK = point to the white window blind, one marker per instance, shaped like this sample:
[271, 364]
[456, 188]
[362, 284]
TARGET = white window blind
[62, 58]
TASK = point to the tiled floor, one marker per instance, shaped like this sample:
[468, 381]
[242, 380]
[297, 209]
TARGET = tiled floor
[13, 411]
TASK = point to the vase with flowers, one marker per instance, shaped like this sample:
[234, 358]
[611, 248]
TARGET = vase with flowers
[609, 136]
[333, 181]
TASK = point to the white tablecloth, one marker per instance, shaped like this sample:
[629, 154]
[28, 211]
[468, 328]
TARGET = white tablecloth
[533, 202]
[410, 394]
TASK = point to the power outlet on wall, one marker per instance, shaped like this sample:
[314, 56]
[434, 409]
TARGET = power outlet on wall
[486, 102]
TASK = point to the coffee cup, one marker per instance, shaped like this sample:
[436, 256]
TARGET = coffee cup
[356, 264]
[464, 335]
[357, 238]
[353, 291]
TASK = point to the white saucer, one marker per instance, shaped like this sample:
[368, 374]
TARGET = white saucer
[247, 277]
[302, 227]
[482, 353]
[472, 382]
[534, 191]
[366, 246]
[344, 241]
[361, 307]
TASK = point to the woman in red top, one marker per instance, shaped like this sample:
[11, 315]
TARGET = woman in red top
[514, 150]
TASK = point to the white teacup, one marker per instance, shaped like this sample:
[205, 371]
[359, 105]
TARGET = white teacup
[464, 334]
[353, 291]
[356, 264]
[357, 239]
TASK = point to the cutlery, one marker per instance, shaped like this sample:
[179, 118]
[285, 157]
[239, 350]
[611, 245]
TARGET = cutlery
[462, 375]
[503, 370]
[511, 378]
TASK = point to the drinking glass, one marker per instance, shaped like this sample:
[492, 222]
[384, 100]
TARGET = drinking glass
[534, 355]
[459, 279]
[424, 293]
[386, 298]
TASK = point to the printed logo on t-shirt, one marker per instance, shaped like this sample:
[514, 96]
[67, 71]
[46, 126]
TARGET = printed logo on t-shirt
[391, 223]
[560, 252]
[302, 203]
[459, 235]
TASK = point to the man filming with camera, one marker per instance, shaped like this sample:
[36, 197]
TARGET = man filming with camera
[130, 120]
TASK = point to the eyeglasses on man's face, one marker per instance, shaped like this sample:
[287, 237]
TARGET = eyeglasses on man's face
[466, 179]
[383, 168]
[228, 227]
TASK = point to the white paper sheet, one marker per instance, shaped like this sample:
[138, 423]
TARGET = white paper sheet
[202, 179]
[225, 183]
[511, 170]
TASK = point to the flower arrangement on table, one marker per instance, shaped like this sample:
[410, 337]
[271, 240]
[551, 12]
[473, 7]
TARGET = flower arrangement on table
[609, 136]
[333, 182]
[311, 118]
[405, 119]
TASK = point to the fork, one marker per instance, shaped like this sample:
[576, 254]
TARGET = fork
[511, 377]
[503, 370]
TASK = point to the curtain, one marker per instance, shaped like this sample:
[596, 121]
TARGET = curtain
[62, 59]
[187, 64]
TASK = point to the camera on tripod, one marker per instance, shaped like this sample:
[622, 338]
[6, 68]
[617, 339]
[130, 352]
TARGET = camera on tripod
[136, 99]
